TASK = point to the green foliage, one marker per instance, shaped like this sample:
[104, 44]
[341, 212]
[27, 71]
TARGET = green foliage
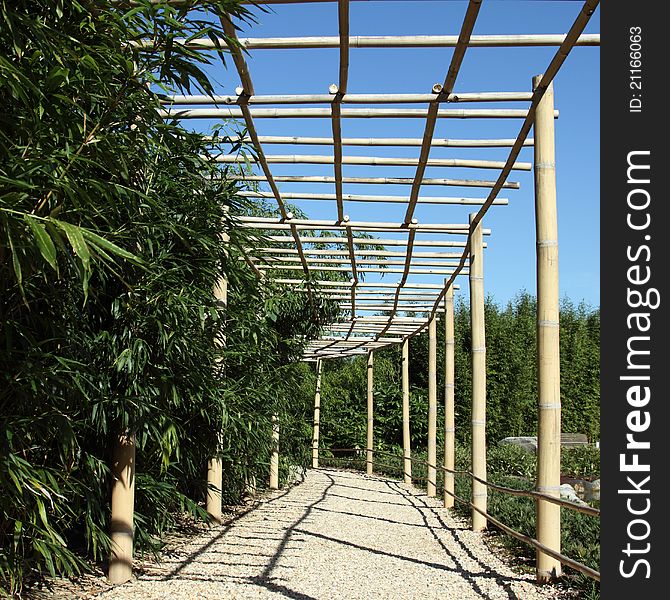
[110, 247]
[581, 461]
[511, 379]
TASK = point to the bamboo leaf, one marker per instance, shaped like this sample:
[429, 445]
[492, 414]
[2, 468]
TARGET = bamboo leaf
[44, 242]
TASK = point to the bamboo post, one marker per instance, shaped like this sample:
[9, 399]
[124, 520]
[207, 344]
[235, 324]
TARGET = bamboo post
[449, 380]
[215, 464]
[370, 436]
[317, 415]
[274, 456]
[432, 407]
[548, 360]
[479, 497]
[406, 442]
[123, 507]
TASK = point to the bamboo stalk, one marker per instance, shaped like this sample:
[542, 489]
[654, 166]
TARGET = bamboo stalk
[317, 416]
[315, 262]
[123, 509]
[370, 428]
[274, 251]
[380, 161]
[274, 456]
[326, 141]
[347, 113]
[215, 464]
[347, 269]
[479, 493]
[449, 381]
[368, 198]
[432, 407]
[393, 41]
[406, 440]
[548, 358]
[377, 180]
[371, 242]
[206, 100]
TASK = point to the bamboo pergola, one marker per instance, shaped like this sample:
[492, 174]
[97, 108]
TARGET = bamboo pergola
[344, 259]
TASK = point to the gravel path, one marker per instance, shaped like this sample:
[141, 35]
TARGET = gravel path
[337, 535]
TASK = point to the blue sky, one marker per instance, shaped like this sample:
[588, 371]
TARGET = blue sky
[510, 257]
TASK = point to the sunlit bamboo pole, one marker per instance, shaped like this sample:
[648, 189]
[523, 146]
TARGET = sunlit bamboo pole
[317, 416]
[215, 464]
[479, 492]
[548, 359]
[123, 509]
[274, 456]
[370, 432]
[432, 407]
[406, 440]
[449, 379]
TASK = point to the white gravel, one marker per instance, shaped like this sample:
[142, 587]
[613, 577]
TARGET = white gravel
[338, 535]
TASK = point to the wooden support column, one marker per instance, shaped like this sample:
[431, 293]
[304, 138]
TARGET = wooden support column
[370, 436]
[274, 456]
[406, 442]
[432, 407]
[317, 415]
[449, 420]
[123, 508]
[479, 496]
[548, 358]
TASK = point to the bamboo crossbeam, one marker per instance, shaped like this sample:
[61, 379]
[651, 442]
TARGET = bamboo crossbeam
[215, 100]
[379, 161]
[326, 141]
[374, 198]
[359, 262]
[364, 284]
[348, 113]
[361, 253]
[347, 269]
[368, 241]
[322, 223]
[433, 110]
[376, 180]
[392, 41]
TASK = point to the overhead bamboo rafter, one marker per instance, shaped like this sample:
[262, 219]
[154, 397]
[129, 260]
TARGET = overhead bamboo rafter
[376, 314]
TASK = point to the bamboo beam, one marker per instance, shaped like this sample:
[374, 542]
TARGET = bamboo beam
[394, 41]
[433, 110]
[379, 161]
[432, 407]
[479, 492]
[215, 100]
[368, 198]
[548, 350]
[315, 262]
[377, 180]
[370, 429]
[406, 439]
[372, 242]
[326, 141]
[123, 509]
[273, 251]
[449, 381]
[215, 464]
[317, 416]
[347, 113]
[347, 269]
[366, 284]
[274, 455]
